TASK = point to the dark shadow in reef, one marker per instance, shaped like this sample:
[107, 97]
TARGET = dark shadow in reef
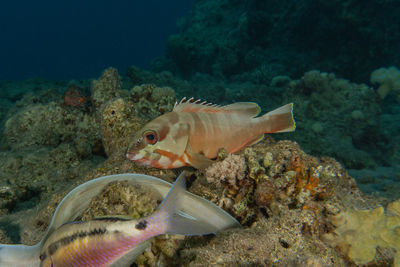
[12, 229]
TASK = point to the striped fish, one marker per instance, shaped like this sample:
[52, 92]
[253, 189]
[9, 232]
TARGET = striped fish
[201, 212]
[193, 132]
[114, 241]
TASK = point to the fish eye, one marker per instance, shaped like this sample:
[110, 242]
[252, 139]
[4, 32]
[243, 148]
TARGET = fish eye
[42, 257]
[151, 137]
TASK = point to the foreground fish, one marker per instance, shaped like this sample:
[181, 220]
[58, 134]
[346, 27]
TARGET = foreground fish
[116, 241]
[193, 132]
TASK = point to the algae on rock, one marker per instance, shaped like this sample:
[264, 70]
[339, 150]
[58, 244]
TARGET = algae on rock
[106, 87]
[151, 101]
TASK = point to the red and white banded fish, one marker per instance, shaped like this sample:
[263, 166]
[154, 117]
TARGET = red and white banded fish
[113, 241]
[193, 132]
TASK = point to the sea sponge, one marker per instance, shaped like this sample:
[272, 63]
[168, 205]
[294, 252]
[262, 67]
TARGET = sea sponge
[360, 232]
[388, 80]
[229, 170]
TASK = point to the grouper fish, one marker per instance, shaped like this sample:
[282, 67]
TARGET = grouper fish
[193, 132]
[116, 241]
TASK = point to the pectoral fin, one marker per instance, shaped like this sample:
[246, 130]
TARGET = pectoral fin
[199, 161]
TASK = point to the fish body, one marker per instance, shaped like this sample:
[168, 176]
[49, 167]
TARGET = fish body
[112, 241]
[62, 236]
[193, 132]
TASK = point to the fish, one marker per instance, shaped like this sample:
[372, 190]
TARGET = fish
[194, 131]
[75, 96]
[116, 240]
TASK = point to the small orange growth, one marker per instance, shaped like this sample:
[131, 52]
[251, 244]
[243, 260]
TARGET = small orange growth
[312, 184]
[304, 177]
[75, 97]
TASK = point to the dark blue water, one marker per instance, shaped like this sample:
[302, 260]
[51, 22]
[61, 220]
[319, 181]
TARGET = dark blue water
[78, 39]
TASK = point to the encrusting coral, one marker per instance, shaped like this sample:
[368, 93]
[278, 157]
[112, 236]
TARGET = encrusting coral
[359, 233]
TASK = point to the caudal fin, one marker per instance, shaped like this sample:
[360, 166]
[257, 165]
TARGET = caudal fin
[278, 121]
[178, 221]
[19, 255]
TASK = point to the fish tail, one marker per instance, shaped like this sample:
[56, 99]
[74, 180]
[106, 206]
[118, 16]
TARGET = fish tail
[175, 218]
[19, 255]
[278, 121]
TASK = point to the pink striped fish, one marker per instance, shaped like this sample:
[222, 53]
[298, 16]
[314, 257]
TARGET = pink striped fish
[193, 132]
[116, 241]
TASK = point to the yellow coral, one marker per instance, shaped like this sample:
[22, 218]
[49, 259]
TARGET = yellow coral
[360, 232]
[388, 80]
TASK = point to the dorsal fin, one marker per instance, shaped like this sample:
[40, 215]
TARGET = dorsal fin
[192, 105]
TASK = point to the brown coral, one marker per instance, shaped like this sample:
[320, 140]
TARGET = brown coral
[106, 87]
[151, 101]
[120, 198]
[118, 123]
[229, 170]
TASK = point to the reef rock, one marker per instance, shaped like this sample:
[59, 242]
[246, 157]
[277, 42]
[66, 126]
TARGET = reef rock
[342, 116]
[106, 87]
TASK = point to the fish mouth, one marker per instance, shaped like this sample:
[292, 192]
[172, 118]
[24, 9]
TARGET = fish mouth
[144, 158]
[134, 156]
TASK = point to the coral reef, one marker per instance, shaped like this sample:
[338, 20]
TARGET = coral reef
[359, 233]
[258, 39]
[230, 170]
[279, 193]
[151, 101]
[118, 123]
[343, 116]
[286, 197]
[275, 241]
[120, 198]
[76, 96]
[49, 125]
[106, 87]
[31, 176]
[388, 80]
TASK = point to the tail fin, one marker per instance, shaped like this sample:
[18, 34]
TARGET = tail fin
[278, 121]
[19, 255]
[178, 221]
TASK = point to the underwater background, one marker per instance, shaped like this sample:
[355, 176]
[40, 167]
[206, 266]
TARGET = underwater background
[77, 79]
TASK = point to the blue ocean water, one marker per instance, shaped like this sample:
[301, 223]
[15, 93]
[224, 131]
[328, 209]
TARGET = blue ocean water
[79, 39]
